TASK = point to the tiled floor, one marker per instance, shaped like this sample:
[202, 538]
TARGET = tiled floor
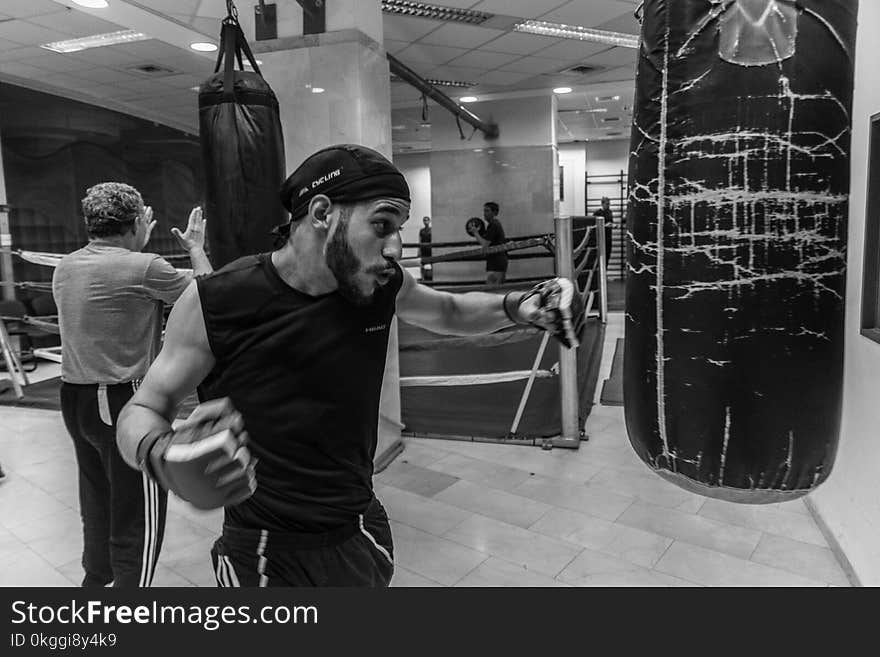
[463, 514]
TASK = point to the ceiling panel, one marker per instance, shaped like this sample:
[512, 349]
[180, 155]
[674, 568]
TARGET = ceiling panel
[616, 57]
[75, 23]
[188, 7]
[20, 69]
[404, 28]
[519, 43]
[463, 73]
[460, 36]
[148, 50]
[102, 75]
[572, 49]
[626, 23]
[57, 62]
[588, 13]
[29, 34]
[22, 54]
[110, 56]
[28, 8]
[394, 46]
[422, 53]
[480, 58]
[535, 65]
[503, 78]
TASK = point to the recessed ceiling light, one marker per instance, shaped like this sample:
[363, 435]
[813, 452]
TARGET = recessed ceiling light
[562, 90]
[91, 4]
[563, 31]
[203, 46]
[468, 99]
[317, 90]
[95, 41]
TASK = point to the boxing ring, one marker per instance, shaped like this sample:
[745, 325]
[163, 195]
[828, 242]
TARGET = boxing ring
[514, 385]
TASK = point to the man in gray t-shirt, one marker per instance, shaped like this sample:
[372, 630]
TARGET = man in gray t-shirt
[110, 300]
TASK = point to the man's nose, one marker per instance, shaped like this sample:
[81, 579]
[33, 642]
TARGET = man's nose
[393, 247]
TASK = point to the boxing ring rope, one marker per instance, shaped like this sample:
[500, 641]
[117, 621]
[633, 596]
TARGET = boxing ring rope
[576, 263]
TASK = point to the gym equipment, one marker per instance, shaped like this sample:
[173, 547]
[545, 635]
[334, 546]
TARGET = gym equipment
[475, 225]
[739, 182]
[243, 152]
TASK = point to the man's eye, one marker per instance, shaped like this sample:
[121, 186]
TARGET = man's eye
[381, 227]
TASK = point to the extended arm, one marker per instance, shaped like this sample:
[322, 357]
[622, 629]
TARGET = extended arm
[554, 305]
[470, 313]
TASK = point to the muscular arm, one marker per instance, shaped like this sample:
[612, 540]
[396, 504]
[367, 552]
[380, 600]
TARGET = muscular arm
[471, 313]
[185, 360]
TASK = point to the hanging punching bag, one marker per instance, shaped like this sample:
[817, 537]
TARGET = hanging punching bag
[243, 153]
[739, 182]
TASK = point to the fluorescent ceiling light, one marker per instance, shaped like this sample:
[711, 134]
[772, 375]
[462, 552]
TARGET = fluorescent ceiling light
[449, 83]
[436, 12]
[563, 31]
[95, 41]
[317, 90]
[91, 4]
[562, 90]
[203, 46]
[468, 99]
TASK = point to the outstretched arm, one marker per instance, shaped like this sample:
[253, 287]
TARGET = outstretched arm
[553, 306]
[185, 360]
[470, 313]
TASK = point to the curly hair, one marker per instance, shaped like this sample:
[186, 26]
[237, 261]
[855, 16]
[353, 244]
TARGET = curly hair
[111, 208]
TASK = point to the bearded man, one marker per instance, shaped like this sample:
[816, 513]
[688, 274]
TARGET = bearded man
[291, 346]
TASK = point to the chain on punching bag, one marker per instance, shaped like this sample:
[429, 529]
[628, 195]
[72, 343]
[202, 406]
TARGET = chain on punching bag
[739, 184]
[242, 150]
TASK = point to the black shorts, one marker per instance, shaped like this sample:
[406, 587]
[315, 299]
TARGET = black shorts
[360, 553]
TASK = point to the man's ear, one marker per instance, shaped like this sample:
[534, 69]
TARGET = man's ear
[319, 212]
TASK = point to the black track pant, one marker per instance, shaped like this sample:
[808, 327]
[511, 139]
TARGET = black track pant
[358, 554]
[123, 512]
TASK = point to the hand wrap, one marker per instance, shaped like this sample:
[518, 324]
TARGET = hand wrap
[554, 305]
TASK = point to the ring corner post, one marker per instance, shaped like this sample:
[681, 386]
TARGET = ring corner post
[568, 390]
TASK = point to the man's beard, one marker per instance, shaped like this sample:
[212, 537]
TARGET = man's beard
[344, 264]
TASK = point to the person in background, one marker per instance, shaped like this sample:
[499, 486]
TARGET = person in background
[608, 216]
[425, 251]
[110, 299]
[496, 263]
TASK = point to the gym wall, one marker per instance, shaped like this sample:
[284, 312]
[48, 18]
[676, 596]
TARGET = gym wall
[848, 503]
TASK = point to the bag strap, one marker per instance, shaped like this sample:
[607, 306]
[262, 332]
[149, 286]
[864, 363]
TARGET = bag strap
[232, 44]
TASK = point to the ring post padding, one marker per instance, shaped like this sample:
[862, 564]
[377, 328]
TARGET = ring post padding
[603, 269]
[570, 435]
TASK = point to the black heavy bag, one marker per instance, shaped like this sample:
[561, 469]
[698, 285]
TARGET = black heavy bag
[243, 153]
[739, 182]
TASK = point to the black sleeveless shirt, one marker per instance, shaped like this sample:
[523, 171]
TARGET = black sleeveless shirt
[306, 374]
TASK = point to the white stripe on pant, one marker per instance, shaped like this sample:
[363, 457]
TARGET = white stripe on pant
[151, 526]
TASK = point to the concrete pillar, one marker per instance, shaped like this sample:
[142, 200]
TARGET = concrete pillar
[347, 63]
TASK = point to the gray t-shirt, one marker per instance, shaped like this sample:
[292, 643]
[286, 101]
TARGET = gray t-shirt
[110, 303]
